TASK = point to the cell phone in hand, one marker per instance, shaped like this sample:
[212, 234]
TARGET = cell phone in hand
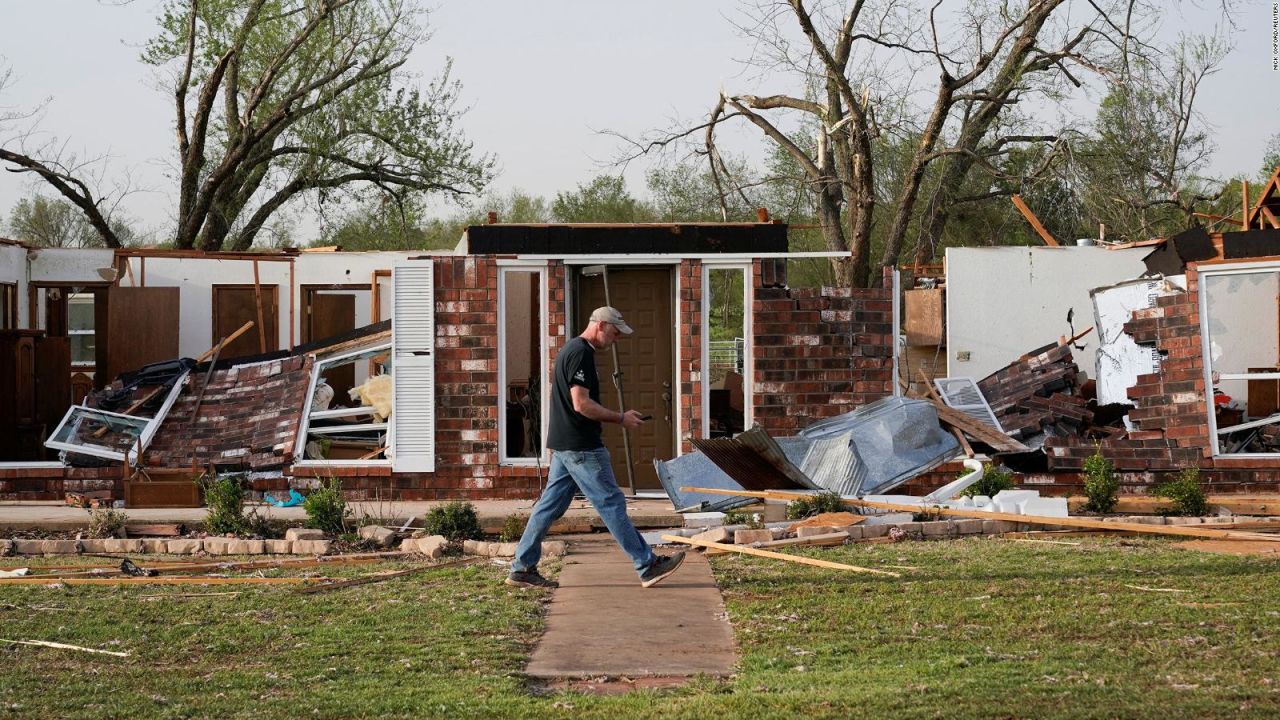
[646, 418]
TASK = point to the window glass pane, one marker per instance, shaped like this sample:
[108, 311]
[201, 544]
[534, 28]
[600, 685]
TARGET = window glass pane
[521, 364]
[83, 428]
[726, 351]
[80, 312]
[83, 349]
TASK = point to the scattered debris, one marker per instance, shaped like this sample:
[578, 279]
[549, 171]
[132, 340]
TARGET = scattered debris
[779, 556]
[64, 646]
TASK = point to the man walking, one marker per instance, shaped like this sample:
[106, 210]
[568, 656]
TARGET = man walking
[579, 460]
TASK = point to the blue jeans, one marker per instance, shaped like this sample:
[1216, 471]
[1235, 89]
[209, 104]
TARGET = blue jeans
[590, 472]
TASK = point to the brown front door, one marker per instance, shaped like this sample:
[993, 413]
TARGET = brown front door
[233, 306]
[647, 361]
[330, 315]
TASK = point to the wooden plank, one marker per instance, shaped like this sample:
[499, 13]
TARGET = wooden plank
[156, 391]
[1139, 528]
[380, 577]
[1149, 504]
[978, 430]
[349, 559]
[257, 301]
[1271, 218]
[64, 646]
[777, 556]
[1035, 221]
[158, 580]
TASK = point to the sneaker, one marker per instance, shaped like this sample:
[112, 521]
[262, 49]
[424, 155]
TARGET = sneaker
[530, 579]
[660, 569]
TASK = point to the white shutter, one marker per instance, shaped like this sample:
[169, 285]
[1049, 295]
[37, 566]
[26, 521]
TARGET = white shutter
[413, 370]
[962, 393]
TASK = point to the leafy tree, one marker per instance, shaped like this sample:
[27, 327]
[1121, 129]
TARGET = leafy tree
[51, 222]
[279, 101]
[604, 199]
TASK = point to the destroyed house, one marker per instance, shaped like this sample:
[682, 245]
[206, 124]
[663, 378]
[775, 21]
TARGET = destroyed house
[423, 376]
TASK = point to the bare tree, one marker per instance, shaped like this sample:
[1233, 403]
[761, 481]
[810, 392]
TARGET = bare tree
[859, 65]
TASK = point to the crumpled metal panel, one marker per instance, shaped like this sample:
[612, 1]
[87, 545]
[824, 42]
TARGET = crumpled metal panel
[698, 470]
[755, 461]
[870, 450]
[894, 439]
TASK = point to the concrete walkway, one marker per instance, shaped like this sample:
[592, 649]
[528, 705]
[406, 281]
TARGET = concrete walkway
[602, 623]
[581, 517]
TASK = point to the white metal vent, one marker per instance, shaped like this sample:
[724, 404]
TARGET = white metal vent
[413, 370]
[962, 393]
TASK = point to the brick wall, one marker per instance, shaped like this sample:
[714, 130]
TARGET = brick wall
[1169, 406]
[689, 375]
[249, 416]
[818, 352]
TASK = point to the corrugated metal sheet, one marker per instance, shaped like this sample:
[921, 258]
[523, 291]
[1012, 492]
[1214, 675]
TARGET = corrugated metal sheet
[755, 461]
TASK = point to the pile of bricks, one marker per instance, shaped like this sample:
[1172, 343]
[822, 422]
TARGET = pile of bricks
[1035, 391]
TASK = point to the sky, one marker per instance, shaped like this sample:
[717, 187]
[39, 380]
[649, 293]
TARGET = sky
[542, 80]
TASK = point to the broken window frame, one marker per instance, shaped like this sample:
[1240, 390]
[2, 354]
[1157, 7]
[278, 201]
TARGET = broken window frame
[704, 350]
[1204, 273]
[152, 424]
[544, 456]
[304, 427]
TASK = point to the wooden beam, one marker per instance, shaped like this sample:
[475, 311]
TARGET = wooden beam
[1220, 218]
[978, 430]
[1238, 504]
[64, 646]
[257, 301]
[380, 577]
[1139, 528]
[1035, 221]
[777, 556]
[168, 580]
[211, 352]
[1270, 216]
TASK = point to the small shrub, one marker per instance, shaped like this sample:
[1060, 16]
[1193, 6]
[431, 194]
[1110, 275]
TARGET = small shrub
[224, 496]
[1186, 493]
[456, 520]
[993, 481]
[106, 523]
[326, 509]
[743, 517]
[827, 502]
[512, 528]
[259, 525]
[1100, 484]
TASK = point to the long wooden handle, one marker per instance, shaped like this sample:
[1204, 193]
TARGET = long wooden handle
[156, 391]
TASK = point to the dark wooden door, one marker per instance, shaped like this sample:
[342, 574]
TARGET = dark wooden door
[329, 315]
[141, 328]
[647, 361]
[235, 305]
[53, 379]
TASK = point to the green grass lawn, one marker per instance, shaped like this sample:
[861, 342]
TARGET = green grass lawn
[983, 628]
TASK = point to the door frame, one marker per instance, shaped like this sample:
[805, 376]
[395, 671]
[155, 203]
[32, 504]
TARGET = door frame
[544, 368]
[672, 266]
[704, 347]
[307, 292]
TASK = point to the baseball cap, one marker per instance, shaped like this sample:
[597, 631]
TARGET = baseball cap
[611, 316]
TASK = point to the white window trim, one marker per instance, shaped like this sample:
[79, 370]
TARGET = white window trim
[544, 321]
[144, 438]
[704, 349]
[1204, 273]
[304, 426]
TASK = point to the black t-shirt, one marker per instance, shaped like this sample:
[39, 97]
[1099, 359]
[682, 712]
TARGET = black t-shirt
[571, 430]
